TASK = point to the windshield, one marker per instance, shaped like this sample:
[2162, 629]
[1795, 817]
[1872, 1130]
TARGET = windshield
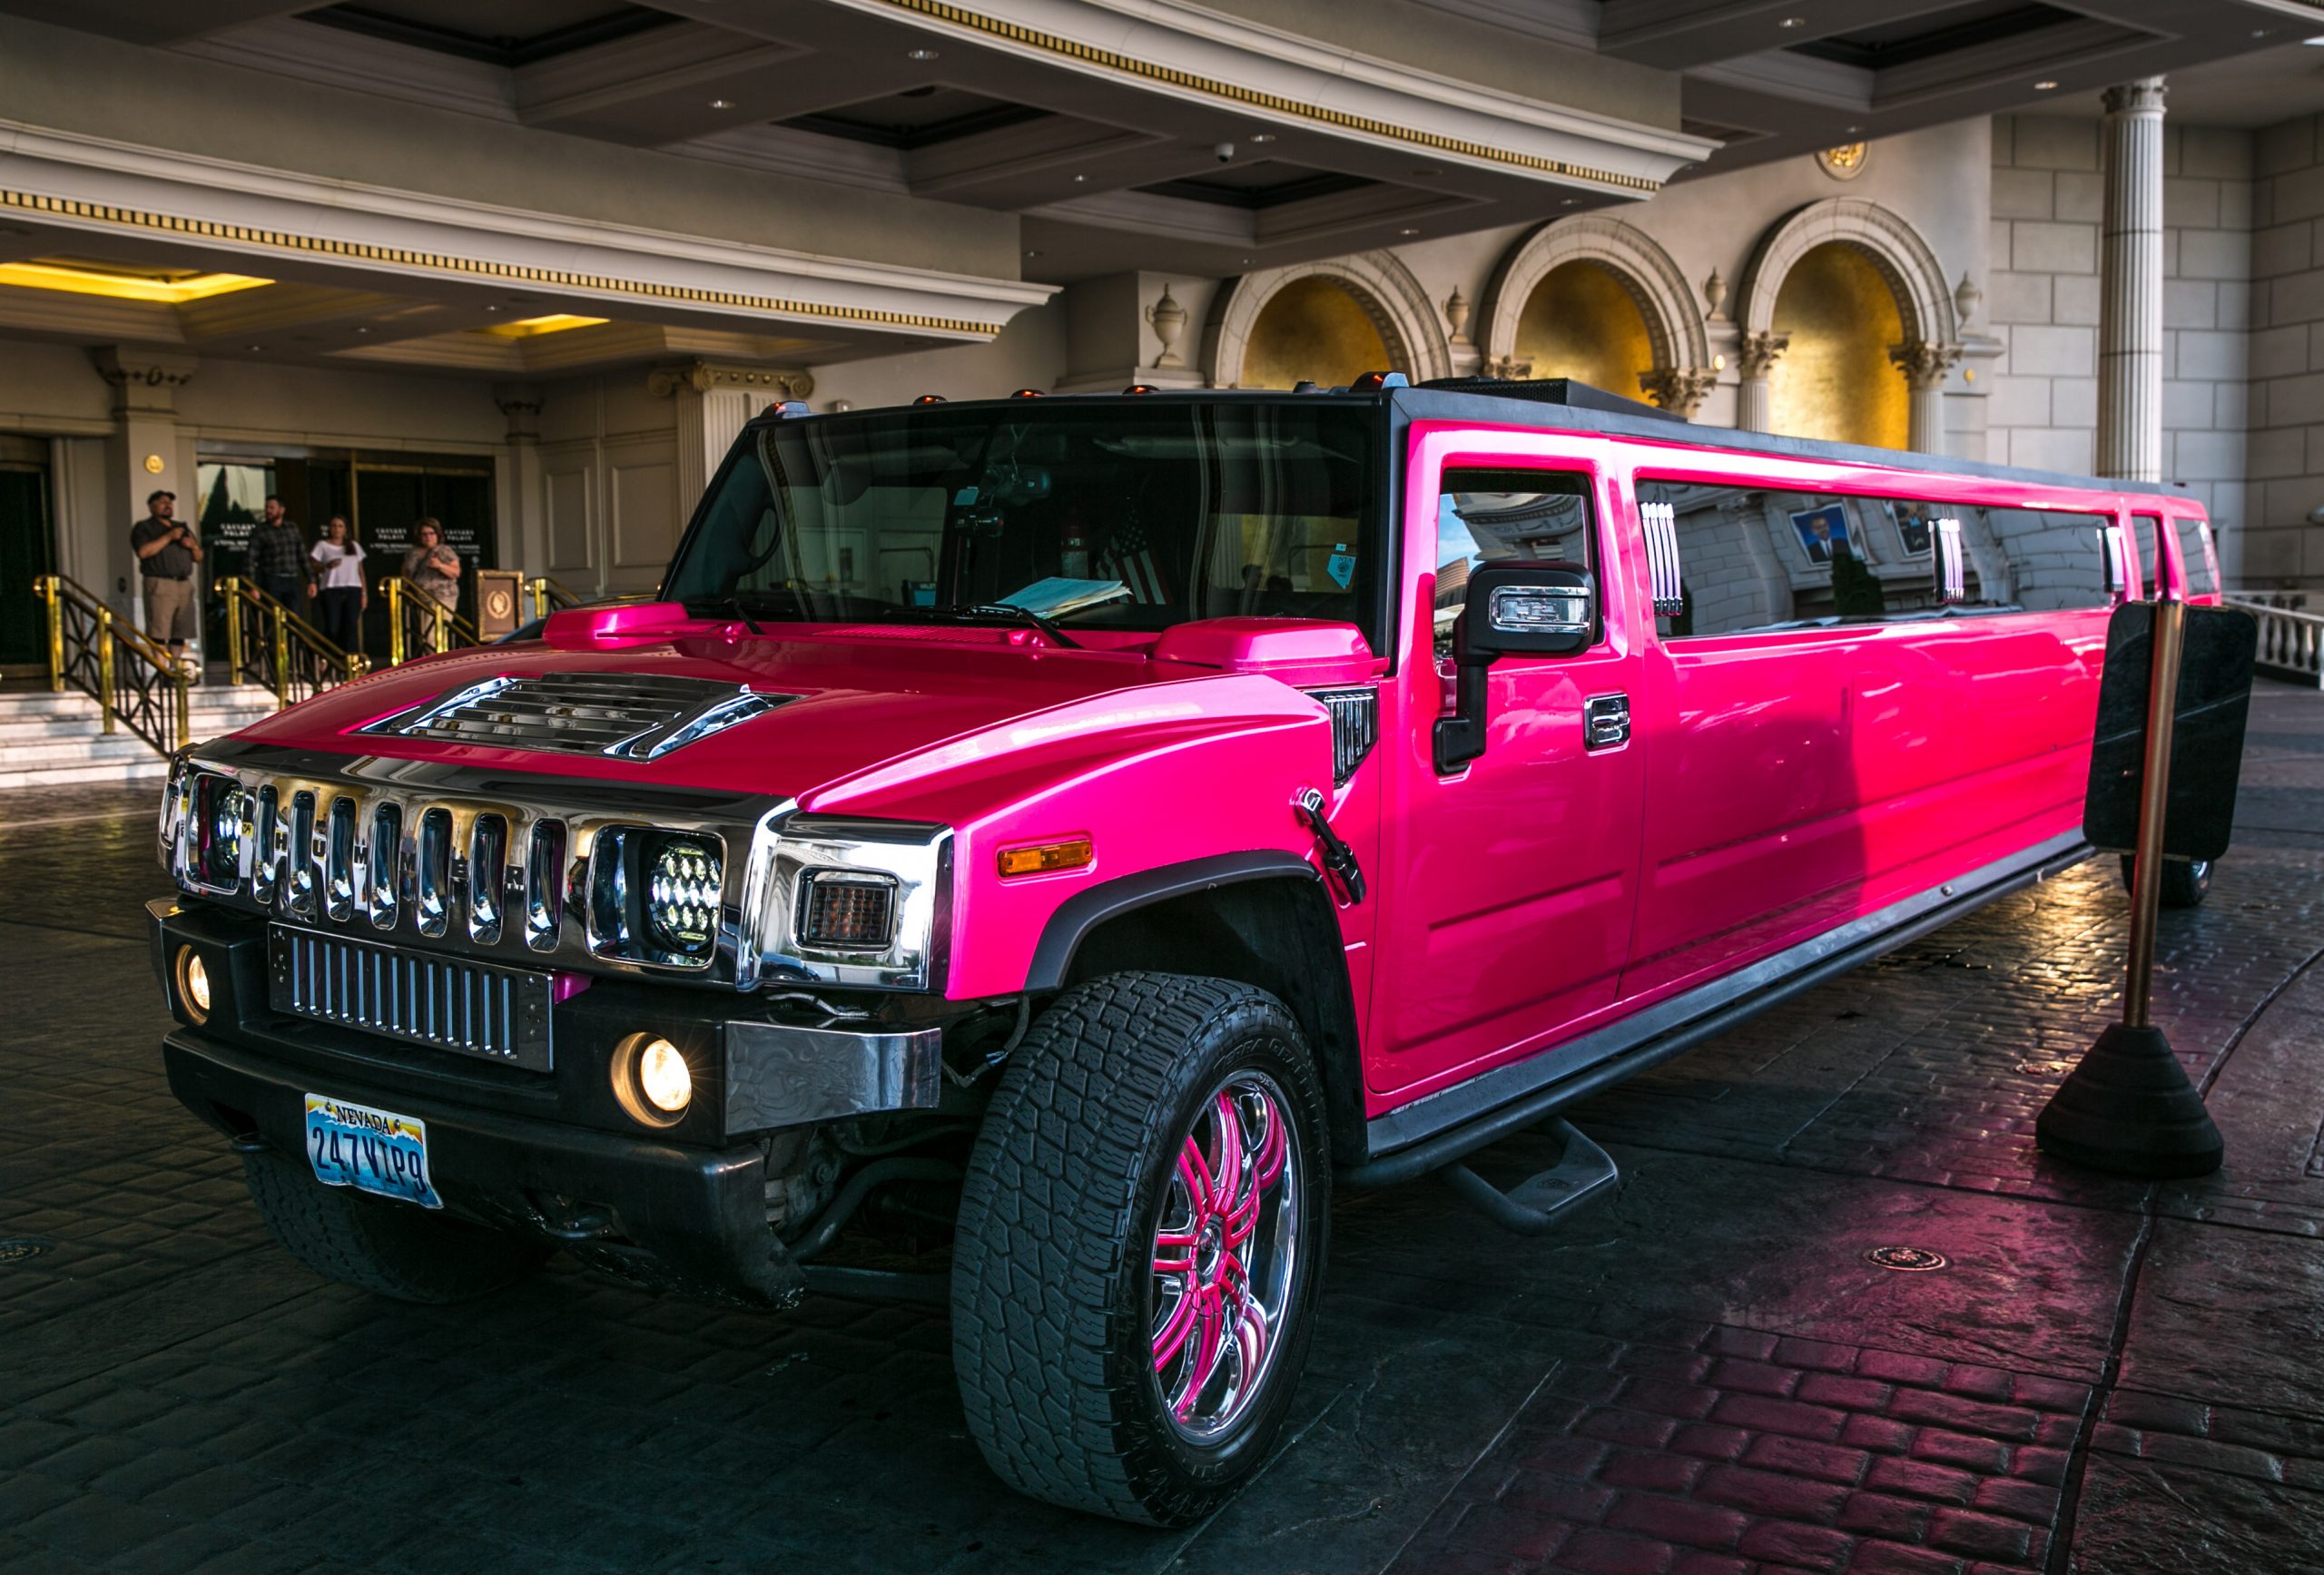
[1117, 515]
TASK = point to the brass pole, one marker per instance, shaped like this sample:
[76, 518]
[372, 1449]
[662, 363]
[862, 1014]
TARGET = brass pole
[231, 588]
[394, 587]
[55, 636]
[184, 688]
[2154, 800]
[104, 665]
[281, 657]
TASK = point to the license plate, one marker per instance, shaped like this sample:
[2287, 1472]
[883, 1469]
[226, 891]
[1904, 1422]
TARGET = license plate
[374, 1151]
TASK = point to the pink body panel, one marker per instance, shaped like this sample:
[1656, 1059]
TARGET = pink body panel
[1774, 785]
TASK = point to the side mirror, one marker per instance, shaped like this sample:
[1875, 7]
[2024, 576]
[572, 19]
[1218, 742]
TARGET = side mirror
[1512, 609]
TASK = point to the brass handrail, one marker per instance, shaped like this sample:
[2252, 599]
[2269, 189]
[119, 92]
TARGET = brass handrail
[446, 627]
[550, 594]
[298, 658]
[149, 693]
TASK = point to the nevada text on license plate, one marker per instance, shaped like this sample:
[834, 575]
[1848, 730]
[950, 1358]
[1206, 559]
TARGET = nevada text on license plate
[375, 1151]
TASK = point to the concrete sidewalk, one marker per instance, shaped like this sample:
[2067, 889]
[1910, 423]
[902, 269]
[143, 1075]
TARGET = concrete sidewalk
[1705, 1374]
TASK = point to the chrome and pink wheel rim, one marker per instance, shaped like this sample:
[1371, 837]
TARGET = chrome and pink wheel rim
[1225, 1256]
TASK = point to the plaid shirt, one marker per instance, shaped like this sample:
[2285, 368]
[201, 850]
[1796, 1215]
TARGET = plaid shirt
[279, 551]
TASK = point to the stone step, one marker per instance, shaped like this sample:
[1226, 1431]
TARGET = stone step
[150, 767]
[204, 720]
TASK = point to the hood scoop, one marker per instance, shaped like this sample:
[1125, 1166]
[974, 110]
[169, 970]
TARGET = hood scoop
[617, 716]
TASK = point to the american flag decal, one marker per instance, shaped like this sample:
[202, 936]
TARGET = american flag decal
[1129, 558]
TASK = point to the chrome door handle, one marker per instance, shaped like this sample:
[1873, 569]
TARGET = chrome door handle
[1605, 720]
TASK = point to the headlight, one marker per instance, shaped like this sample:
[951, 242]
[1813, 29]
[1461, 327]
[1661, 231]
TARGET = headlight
[221, 841]
[681, 893]
[841, 900]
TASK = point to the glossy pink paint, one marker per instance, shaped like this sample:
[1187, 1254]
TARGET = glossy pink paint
[1774, 784]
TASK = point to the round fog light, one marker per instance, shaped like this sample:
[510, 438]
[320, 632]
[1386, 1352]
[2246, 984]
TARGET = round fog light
[194, 984]
[652, 1081]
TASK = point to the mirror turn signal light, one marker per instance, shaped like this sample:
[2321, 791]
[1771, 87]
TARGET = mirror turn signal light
[1044, 857]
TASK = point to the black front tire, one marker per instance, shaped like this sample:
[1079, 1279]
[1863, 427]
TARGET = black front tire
[2185, 882]
[394, 1249]
[1054, 1304]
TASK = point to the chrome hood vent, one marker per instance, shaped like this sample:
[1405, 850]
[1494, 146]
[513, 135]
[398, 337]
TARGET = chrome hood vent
[620, 715]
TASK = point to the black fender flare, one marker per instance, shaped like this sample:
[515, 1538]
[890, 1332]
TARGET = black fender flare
[1086, 909]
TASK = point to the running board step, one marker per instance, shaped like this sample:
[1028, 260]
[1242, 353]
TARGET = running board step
[1539, 1204]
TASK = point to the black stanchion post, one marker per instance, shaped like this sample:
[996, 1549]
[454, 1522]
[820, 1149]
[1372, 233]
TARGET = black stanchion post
[2128, 1107]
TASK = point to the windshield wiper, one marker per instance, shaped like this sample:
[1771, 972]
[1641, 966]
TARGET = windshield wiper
[985, 612]
[730, 603]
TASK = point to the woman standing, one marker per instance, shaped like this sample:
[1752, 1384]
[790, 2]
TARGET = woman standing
[339, 568]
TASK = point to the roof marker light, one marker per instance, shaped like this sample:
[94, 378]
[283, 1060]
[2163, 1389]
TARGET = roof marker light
[1029, 394]
[929, 399]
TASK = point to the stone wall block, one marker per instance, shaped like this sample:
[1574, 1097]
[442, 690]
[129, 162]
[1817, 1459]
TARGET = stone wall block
[2186, 404]
[2299, 194]
[2234, 304]
[2014, 402]
[2073, 299]
[2231, 406]
[2190, 204]
[2063, 352]
[2017, 298]
[2296, 401]
[2296, 297]
[2052, 448]
[2281, 249]
[2214, 355]
[2190, 303]
[2080, 197]
[2207, 456]
[2282, 451]
[2054, 248]
[2214, 254]
[2074, 402]
[2218, 153]
[2283, 148]
[2270, 553]
[2048, 142]
[2022, 193]
[2235, 204]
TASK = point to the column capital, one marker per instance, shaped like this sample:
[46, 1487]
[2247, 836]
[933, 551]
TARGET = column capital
[1755, 354]
[1924, 363]
[521, 403]
[1678, 389]
[703, 377]
[144, 378]
[2143, 97]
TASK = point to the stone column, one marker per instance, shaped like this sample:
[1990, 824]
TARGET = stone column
[140, 457]
[713, 401]
[2130, 285]
[1755, 357]
[1924, 366]
[1678, 389]
[524, 526]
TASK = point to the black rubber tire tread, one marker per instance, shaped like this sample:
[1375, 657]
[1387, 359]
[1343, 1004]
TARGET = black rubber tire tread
[2185, 883]
[1048, 1209]
[393, 1249]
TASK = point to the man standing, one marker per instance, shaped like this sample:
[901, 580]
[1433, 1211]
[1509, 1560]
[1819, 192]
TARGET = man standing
[278, 556]
[166, 553]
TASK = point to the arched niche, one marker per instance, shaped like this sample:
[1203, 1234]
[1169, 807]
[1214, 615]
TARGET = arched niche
[1315, 298]
[1560, 269]
[1838, 316]
[1895, 250]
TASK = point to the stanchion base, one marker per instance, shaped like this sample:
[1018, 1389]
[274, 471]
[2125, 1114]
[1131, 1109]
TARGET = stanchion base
[2128, 1110]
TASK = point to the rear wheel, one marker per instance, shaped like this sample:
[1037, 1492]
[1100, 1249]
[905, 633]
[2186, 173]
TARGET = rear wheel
[2185, 882]
[395, 1249]
[1141, 1238]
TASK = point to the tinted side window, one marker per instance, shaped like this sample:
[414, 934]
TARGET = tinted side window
[2195, 549]
[1761, 557]
[2149, 559]
[1506, 515]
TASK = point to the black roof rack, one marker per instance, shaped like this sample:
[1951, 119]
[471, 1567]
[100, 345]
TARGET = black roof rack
[1564, 391]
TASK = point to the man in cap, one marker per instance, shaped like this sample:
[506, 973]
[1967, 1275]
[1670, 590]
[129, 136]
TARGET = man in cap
[167, 550]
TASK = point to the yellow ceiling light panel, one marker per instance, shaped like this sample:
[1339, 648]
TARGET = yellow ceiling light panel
[174, 290]
[527, 328]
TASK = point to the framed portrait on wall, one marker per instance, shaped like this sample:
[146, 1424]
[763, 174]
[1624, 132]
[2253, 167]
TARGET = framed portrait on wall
[1820, 529]
[1913, 528]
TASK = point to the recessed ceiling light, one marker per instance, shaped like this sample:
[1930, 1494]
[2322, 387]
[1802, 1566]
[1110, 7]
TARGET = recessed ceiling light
[1853, 130]
[1078, 179]
[2045, 85]
[1409, 230]
[1568, 201]
[1033, 252]
[253, 347]
[1246, 262]
[1260, 137]
[2261, 32]
[492, 309]
[1793, 21]
[2317, 41]
[361, 330]
[722, 103]
[1427, 173]
[920, 54]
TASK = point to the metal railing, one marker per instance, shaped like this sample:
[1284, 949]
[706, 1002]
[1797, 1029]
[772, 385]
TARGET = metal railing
[136, 683]
[547, 595]
[268, 644]
[420, 624]
[2291, 643]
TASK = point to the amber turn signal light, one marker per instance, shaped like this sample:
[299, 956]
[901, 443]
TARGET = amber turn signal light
[1044, 857]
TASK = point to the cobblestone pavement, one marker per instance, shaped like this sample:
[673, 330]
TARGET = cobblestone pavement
[1702, 1375]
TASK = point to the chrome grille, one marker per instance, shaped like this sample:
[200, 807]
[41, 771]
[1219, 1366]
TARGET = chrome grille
[472, 1009]
[625, 716]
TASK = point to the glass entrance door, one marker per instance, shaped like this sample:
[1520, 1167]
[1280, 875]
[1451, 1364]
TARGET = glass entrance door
[27, 551]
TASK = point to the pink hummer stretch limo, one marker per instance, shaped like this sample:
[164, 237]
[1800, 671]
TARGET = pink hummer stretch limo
[1084, 832]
